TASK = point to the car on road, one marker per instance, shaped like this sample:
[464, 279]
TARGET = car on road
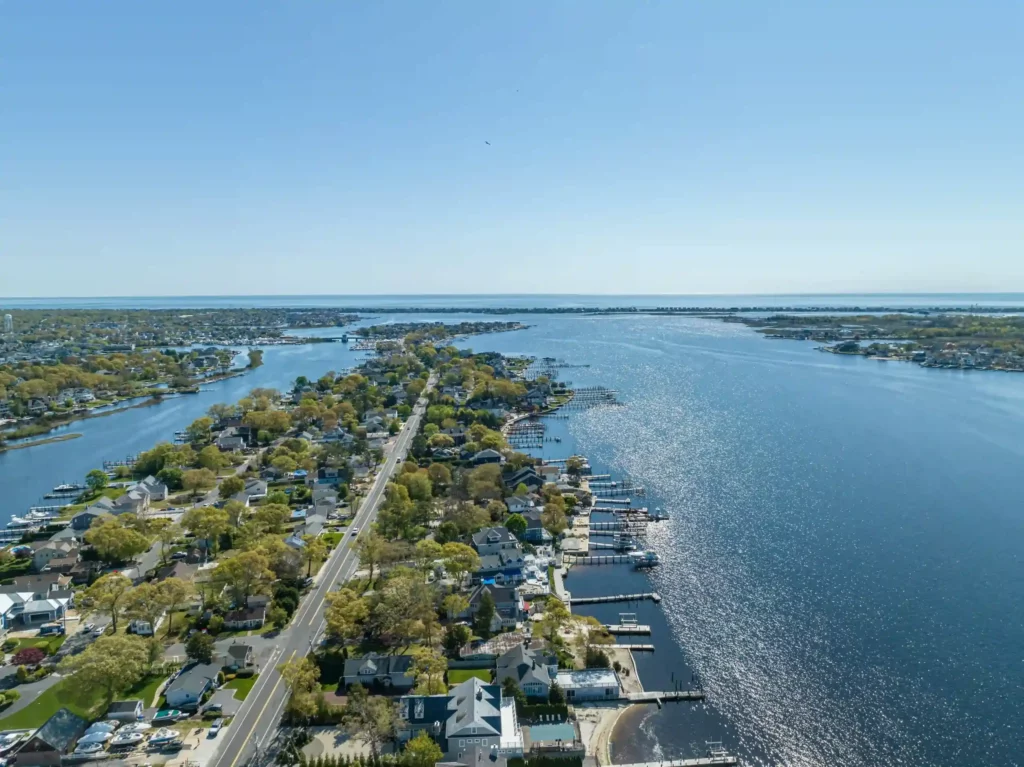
[100, 631]
[88, 627]
[354, 531]
[179, 555]
[215, 728]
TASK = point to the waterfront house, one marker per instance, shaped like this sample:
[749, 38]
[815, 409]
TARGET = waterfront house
[504, 568]
[533, 670]
[246, 618]
[472, 714]
[83, 520]
[527, 476]
[157, 490]
[50, 742]
[188, 687]
[231, 440]
[134, 501]
[494, 540]
[41, 583]
[393, 672]
[589, 684]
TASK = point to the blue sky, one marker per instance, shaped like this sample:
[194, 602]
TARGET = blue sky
[183, 148]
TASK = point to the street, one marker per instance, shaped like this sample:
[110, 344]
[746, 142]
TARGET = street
[257, 720]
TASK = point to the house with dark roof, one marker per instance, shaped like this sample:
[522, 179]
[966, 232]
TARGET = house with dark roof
[525, 476]
[126, 711]
[504, 568]
[83, 520]
[487, 456]
[474, 756]
[255, 489]
[494, 540]
[388, 671]
[238, 656]
[56, 737]
[509, 607]
[188, 687]
[533, 670]
[472, 714]
[246, 618]
[535, 532]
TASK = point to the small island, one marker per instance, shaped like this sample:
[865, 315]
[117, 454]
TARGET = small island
[958, 341]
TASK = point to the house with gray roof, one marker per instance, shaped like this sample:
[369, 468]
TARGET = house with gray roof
[533, 670]
[189, 686]
[255, 489]
[389, 671]
[471, 714]
[84, 519]
[494, 540]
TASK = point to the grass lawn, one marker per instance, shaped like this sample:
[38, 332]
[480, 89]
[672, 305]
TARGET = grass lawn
[242, 685]
[459, 675]
[15, 566]
[50, 644]
[64, 695]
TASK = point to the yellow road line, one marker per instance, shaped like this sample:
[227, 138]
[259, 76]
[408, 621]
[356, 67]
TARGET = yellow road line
[260, 714]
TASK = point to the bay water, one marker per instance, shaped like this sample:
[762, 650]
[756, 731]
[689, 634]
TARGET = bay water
[842, 567]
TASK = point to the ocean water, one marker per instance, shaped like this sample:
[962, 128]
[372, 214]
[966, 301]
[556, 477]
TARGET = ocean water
[842, 569]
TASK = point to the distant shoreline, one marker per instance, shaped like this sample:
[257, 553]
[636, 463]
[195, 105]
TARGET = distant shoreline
[37, 442]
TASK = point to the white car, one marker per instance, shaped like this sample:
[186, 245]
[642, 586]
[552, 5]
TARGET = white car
[215, 728]
[355, 531]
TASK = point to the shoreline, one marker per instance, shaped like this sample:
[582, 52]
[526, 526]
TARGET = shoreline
[37, 442]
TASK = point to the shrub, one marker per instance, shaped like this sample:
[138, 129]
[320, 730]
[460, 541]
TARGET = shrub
[9, 645]
[245, 673]
[29, 656]
[216, 624]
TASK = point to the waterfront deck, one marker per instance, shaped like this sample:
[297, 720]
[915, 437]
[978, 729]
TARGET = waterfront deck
[652, 595]
[702, 761]
[660, 697]
[630, 629]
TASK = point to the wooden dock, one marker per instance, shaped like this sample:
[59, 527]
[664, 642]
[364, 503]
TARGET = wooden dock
[701, 761]
[660, 697]
[626, 646]
[632, 629]
[652, 595]
[602, 559]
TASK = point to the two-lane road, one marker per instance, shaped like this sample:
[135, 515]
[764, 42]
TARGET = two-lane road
[258, 718]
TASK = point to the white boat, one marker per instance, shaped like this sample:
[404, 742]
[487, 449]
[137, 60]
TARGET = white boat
[66, 488]
[101, 727]
[90, 747]
[20, 522]
[137, 727]
[126, 739]
[163, 736]
[643, 559]
[95, 737]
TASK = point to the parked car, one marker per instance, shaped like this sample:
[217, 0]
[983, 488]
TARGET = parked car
[215, 728]
[213, 708]
[179, 555]
[88, 627]
[99, 631]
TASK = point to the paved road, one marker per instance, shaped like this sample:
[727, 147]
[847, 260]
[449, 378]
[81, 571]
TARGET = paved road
[256, 722]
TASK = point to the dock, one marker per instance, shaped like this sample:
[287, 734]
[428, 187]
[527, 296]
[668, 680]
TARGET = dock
[660, 697]
[701, 761]
[627, 646]
[602, 559]
[613, 501]
[652, 595]
[627, 628]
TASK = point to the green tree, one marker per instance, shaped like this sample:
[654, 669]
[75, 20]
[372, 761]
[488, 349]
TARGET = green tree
[146, 602]
[114, 542]
[345, 614]
[244, 574]
[111, 664]
[198, 432]
[272, 517]
[210, 457]
[207, 523]
[195, 480]
[454, 605]
[422, 751]
[314, 551]
[440, 475]
[107, 596]
[516, 524]
[96, 480]
[231, 486]
[556, 696]
[460, 560]
[373, 718]
[200, 648]
[511, 689]
[428, 668]
[371, 547]
[301, 676]
[484, 615]
[236, 511]
[176, 592]
[278, 616]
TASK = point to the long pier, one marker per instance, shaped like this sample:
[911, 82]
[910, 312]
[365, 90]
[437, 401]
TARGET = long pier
[637, 629]
[652, 595]
[602, 559]
[662, 696]
[701, 761]
[613, 501]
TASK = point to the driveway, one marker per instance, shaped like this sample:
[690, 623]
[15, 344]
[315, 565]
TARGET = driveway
[29, 692]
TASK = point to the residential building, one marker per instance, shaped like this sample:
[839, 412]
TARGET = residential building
[245, 618]
[474, 757]
[472, 715]
[527, 476]
[509, 607]
[505, 568]
[157, 490]
[535, 532]
[55, 738]
[126, 711]
[487, 456]
[238, 656]
[50, 550]
[589, 684]
[83, 520]
[393, 672]
[494, 540]
[518, 504]
[533, 670]
[39, 611]
[255, 489]
[188, 687]
[134, 501]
